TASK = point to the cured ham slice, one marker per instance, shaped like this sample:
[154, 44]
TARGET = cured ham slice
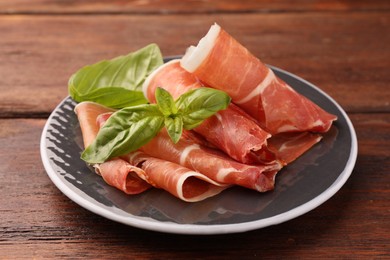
[231, 130]
[180, 181]
[289, 146]
[219, 61]
[116, 172]
[213, 163]
[136, 172]
[122, 175]
[87, 113]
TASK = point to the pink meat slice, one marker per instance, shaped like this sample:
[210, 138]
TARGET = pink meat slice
[289, 146]
[212, 163]
[136, 172]
[122, 175]
[116, 172]
[231, 130]
[183, 183]
[221, 62]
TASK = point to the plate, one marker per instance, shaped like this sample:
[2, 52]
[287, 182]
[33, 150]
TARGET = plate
[300, 187]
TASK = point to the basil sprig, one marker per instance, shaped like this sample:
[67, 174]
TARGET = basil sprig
[130, 128]
[173, 121]
[116, 83]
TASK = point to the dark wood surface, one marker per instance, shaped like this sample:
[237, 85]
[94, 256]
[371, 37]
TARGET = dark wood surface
[341, 46]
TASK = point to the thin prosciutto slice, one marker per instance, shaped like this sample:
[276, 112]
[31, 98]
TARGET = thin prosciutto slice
[219, 61]
[122, 175]
[136, 172]
[231, 130]
[209, 162]
[289, 146]
[116, 172]
[180, 181]
[213, 163]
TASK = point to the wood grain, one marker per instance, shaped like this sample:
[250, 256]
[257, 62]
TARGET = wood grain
[37, 217]
[342, 46]
[342, 53]
[178, 6]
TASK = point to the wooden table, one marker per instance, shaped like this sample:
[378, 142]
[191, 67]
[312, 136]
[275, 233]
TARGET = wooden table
[341, 46]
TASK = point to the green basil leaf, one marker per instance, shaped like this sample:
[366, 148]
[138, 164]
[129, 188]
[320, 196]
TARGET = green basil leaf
[174, 127]
[199, 104]
[123, 75]
[125, 131]
[165, 102]
[113, 97]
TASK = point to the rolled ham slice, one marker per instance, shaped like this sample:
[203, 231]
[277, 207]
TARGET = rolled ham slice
[137, 172]
[213, 163]
[87, 113]
[122, 175]
[183, 183]
[219, 61]
[231, 130]
[116, 172]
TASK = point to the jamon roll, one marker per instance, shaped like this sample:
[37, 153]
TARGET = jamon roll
[211, 163]
[231, 130]
[219, 61]
[116, 172]
[137, 172]
[183, 183]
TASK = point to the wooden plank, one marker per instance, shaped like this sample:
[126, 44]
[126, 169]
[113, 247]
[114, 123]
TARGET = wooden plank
[341, 53]
[36, 216]
[178, 6]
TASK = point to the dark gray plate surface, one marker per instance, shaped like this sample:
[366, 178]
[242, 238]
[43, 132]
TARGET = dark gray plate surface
[300, 187]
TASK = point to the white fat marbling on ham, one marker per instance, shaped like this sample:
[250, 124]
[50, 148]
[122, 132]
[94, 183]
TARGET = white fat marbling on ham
[146, 84]
[259, 89]
[289, 146]
[181, 183]
[219, 117]
[223, 172]
[186, 151]
[319, 122]
[132, 155]
[287, 128]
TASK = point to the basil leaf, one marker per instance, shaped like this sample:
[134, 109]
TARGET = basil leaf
[122, 76]
[173, 122]
[125, 131]
[113, 97]
[174, 127]
[199, 104]
[165, 102]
